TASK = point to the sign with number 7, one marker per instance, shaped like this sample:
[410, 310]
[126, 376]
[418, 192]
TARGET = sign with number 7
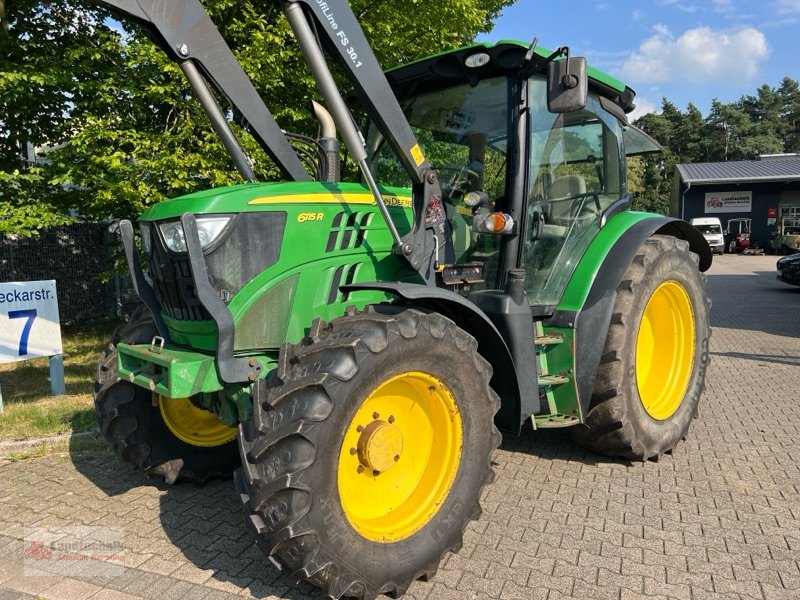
[29, 322]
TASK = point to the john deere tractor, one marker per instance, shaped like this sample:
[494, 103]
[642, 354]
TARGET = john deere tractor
[349, 351]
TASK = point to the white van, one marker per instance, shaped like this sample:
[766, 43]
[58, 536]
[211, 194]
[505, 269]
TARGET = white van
[711, 228]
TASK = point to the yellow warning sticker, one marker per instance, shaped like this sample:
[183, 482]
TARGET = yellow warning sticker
[416, 153]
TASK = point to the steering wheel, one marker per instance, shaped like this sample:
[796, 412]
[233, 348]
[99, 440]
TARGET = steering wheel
[459, 180]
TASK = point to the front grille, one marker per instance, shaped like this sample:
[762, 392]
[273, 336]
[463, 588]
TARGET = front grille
[173, 284]
[251, 245]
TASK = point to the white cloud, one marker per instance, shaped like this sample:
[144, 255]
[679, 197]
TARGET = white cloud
[643, 107]
[701, 55]
[787, 7]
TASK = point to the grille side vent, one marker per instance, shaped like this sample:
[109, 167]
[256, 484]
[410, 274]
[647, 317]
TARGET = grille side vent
[342, 275]
[348, 231]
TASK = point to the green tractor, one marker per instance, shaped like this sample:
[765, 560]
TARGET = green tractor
[350, 351]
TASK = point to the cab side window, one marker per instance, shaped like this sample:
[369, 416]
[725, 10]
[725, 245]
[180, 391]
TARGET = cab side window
[575, 172]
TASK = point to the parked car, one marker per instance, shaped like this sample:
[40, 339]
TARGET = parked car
[786, 239]
[711, 228]
[737, 235]
[789, 269]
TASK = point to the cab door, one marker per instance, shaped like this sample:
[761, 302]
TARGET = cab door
[575, 171]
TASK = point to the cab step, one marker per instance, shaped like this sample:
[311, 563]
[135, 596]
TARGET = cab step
[555, 421]
[545, 379]
[548, 340]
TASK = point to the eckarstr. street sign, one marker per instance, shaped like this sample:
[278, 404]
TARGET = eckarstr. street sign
[29, 324]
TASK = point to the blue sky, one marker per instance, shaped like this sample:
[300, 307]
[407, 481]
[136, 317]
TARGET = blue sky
[686, 50]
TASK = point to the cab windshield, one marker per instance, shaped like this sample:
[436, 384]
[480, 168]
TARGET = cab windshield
[709, 229]
[575, 171]
[463, 132]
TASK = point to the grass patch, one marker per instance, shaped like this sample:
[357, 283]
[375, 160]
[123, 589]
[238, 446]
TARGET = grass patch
[46, 417]
[30, 410]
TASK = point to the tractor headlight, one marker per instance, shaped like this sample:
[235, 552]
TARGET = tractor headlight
[208, 229]
[473, 61]
[473, 199]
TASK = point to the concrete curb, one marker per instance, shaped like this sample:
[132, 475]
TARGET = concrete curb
[61, 440]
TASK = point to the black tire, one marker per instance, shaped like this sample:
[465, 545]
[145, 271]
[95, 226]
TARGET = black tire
[291, 449]
[617, 423]
[132, 425]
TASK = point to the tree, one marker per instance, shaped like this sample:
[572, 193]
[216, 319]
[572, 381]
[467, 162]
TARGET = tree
[3, 27]
[654, 173]
[789, 92]
[727, 124]
[764, 112]
[118, 121]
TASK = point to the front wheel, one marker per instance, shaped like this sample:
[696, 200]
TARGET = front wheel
[365, 460]
[164, 437]
[652, 369]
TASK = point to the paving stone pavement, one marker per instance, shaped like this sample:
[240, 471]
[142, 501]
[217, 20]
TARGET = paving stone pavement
[717, 519]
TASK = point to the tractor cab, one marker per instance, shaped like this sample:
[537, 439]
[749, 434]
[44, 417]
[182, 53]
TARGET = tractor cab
[525, 184]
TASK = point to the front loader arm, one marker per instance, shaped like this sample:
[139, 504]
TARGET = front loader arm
[427, 247]
[186, 33]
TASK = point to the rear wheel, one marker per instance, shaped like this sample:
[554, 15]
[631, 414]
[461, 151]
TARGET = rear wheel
[366, 457]
[167, 437]
[652, 369]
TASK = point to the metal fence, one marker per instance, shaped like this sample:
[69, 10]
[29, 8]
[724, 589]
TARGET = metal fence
[81, 258]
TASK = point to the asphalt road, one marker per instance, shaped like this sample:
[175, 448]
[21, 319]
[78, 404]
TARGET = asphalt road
[717, 519]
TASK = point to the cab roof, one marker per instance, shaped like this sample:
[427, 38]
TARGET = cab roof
[506, 58]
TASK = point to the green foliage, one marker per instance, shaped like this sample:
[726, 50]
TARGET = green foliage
[116, 121]
[765, 123]
[22, 210]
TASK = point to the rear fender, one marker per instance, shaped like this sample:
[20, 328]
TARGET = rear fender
[474, 321]
[594, 316]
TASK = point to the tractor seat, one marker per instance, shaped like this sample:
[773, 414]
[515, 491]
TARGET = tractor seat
[561, 195]
[558, 205]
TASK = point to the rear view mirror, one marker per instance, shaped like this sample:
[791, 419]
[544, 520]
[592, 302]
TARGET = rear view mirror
[567, 85]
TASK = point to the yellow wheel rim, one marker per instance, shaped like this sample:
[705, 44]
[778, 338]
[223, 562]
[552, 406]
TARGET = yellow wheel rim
[400, 456]
[194, 425]
[665, 350]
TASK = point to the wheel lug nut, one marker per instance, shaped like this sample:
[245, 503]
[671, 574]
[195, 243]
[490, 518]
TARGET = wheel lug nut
[360, 469]
[375, 415]
[353, 450]
[391, 418]
[376, 473]
[396, 457]
[359, 429]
